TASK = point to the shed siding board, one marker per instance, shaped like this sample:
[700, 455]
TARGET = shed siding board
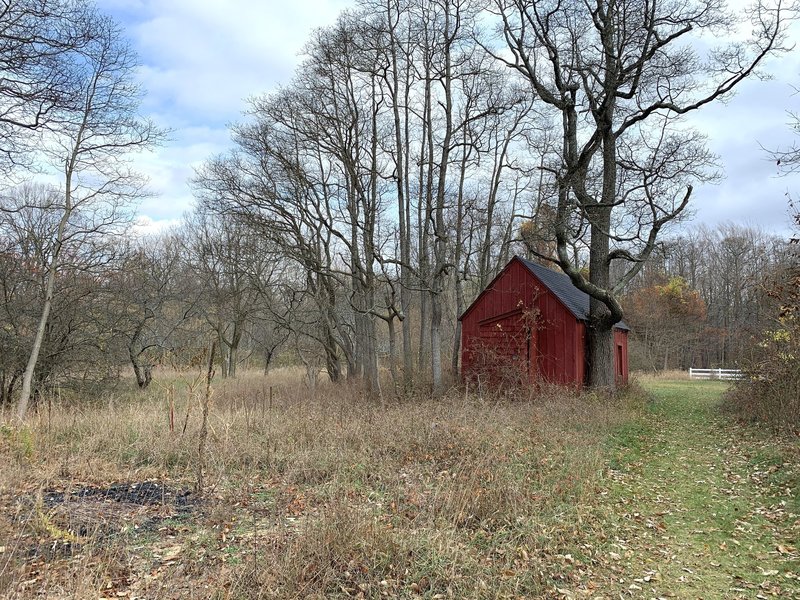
[557, 327]
[547, 350]
[580, 354]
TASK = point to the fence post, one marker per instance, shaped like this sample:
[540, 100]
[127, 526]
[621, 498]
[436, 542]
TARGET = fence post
[690, 373]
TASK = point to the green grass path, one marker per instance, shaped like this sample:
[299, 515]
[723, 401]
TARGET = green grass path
[698, 507]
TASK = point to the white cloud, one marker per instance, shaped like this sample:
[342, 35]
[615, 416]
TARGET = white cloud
[200, 61]
[210, 55]
[144, 226]
[203, 58]
[741, 132]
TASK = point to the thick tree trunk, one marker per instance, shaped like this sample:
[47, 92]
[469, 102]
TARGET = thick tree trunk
[423, 350]
[402, 211]
[142, 370]
[601, 357]
[405, 292]
[233, 359]
[424, 208]
[436, 343]
[30, 367]
[440, 233]
[601, 332]
[332, 363]
[392, 351]
[372, 373]
[405, 326]
[233, 349]
[267, 360]
[144, 374]
[459, 252]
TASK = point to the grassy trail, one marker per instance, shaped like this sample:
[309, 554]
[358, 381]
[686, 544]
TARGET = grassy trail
[699, 507]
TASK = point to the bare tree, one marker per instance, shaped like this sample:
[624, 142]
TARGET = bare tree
[267, 186]
[79, 338]
[25, 229]
[39, 44]
[147, 302]
[309, 175]
[617, 75]
[788, 160]
[91, 144]
[393, 158]
[233, 267]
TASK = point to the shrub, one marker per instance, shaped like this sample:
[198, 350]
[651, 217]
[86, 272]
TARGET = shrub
[771, 391]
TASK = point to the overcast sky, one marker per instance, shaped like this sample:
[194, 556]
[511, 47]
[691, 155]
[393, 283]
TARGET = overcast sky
[202, 58]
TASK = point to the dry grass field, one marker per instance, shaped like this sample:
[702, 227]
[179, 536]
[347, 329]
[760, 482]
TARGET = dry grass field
[328, 495]
[309, 495]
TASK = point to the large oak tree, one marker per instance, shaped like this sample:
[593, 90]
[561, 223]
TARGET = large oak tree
[618, 76]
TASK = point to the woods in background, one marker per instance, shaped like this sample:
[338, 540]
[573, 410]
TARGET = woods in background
[770, 392]
[396, 168]
[704, 299]
[365, 204]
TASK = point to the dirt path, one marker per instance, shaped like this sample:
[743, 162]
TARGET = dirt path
[699, 507]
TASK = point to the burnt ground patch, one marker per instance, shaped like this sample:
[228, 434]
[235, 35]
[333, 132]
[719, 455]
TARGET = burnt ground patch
[144, 493]
[75, 516]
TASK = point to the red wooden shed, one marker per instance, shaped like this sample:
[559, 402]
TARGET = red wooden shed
[529, 325]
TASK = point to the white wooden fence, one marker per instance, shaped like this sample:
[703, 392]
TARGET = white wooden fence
[715, 374]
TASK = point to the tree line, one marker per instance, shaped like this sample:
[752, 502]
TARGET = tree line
[704, 300]
[395, 170]
[419, 145]
[69, 111]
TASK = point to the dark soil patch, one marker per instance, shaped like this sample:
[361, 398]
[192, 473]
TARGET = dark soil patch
[72, 517]
[145, 493]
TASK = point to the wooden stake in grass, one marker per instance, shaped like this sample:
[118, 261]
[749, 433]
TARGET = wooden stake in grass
[190, 396]
[201, 449]
[171, 395]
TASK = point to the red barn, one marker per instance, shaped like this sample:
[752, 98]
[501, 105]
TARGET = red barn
[529, 324]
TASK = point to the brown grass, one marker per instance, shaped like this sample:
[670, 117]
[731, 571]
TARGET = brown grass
[654, 376]
[312, 495]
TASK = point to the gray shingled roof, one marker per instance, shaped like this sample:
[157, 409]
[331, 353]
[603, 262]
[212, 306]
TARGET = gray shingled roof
[561, 285]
